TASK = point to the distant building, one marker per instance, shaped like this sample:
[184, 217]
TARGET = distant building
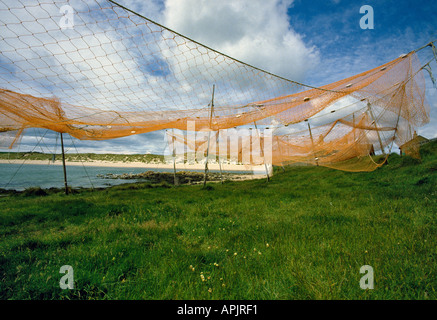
[412, 147]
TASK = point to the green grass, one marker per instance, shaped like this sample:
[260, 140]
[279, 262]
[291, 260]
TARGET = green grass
[303, 235]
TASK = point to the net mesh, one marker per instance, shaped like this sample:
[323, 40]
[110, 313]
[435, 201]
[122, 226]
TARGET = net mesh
[114, 73]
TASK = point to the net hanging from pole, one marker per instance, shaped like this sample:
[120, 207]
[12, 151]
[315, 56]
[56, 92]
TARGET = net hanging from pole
[116, 73]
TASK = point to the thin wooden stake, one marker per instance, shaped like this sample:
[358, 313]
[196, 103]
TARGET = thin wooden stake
[312, 142]
[209, 136]
[399, 116]
[281, 155]
[220, 162]
[174, 159]
[353, 124]
[262, 150]
[376, 128]
[63, 164]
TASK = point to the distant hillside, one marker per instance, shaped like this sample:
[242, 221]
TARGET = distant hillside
[146, 158]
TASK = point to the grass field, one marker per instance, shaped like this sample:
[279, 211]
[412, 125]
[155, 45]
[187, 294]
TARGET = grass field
[303, 235]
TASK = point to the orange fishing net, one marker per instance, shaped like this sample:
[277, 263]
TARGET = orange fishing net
[116, 73]
[384, 112]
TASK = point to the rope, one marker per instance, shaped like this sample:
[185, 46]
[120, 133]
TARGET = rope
[86, 172]
[225, 55]
[19, 168]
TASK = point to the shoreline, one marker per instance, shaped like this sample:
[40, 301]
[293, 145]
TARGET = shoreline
[185, 174]
[179, 166]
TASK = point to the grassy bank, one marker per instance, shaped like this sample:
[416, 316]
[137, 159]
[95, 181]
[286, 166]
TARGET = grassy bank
[303, 235]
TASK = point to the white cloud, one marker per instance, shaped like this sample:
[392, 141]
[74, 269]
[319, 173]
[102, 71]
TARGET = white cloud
[256, 32]
[106, 69]
[102, 62]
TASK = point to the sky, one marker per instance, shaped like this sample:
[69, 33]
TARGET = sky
[311, 41]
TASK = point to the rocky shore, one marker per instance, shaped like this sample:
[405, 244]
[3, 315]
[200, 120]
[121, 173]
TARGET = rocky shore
[182, 177]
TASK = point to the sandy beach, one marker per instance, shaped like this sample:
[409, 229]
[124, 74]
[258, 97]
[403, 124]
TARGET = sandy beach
[179, 166]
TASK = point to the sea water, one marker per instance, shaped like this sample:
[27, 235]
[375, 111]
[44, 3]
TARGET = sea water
[21, 176]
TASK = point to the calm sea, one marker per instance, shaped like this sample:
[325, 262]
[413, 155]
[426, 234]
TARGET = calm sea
[20, 177]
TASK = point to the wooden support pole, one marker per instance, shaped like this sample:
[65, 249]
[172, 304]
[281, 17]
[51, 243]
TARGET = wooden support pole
[219, 160]
[399, 117]
[209, 136]
[353, 124]
[354, 130]
[174, 159]
[376, 128]
[221, 174]
[280, 154]
[312, 142]
[262, 150]
[63, 165]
